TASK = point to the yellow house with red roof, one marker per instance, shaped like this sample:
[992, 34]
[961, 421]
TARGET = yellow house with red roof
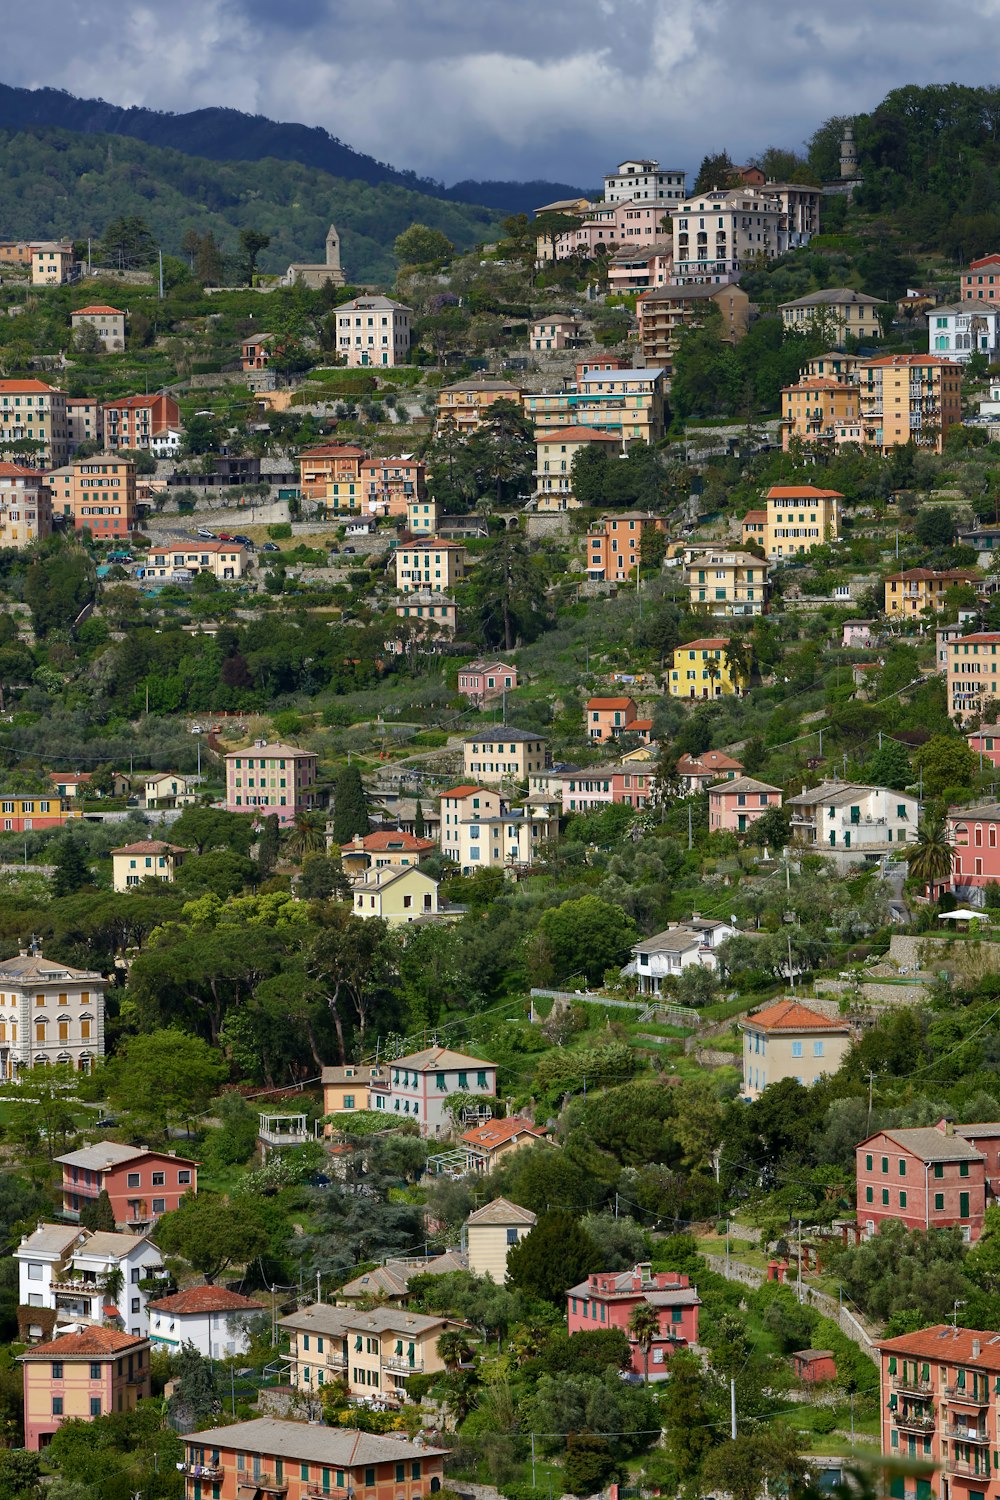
[554, 455]
[701, 669]
[790, 1040]
[798, 517]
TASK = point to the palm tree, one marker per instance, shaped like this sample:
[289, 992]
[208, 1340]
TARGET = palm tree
[306, 836]
[454, 1348]
[930, 857]
[644, 1325]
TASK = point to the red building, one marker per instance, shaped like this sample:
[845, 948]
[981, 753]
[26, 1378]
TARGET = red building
[134, 421]
[982, 280]
[935, 1177]
[483, 681]
[141, 1184]
[974, 834]
[813, 1366]
[608, 1299]
[985, 743]
[939, 1408]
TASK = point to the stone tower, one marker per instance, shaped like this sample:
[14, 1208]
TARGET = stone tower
[848, 155]
[333, 242]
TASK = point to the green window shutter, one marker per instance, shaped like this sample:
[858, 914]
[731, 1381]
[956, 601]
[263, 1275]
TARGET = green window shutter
[892, 1364]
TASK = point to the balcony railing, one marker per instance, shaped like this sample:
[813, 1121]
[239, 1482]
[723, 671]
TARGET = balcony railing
[262, 1482]
[401, 1366]
[964, 1435]
[202, 1471]
[907, 1387]
[979, 1396]
[336, 1359]
[967, 1470]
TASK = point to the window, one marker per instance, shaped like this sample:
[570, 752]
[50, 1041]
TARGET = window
[136, 1305]
[939, 1202]
[57, 1369]
[95, 1406]
[902, 1167]
[869, 1195]
[512, 1240]
[963, 1169]
[817, 1049]
[184, 1178]
[369, 1476]
[159, 1205]
[57, 1406]
[902, 1200]
[868, 1162]
[938, 1169]
[400, 1473]
[885, 1197]
[133, 1179]
[796, 1049]
[158, 1179]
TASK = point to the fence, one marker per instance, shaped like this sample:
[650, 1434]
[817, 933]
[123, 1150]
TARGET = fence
[858, 1331]
[646, 1010]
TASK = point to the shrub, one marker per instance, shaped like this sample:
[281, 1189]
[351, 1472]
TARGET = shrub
[825, 1420]
[280, 531]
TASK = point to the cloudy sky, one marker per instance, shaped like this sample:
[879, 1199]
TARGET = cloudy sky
[559, 89]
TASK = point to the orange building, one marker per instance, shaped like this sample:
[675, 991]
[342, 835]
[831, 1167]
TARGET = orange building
[16, 253]
[389, 484]
[81, 1376]
[98, 495]
[982, 280]
[134, 421]
[613, 545]
[907, 398]
[607, 718]
[464, 405]
[813, 409]
[269, 1457]
[330, 475]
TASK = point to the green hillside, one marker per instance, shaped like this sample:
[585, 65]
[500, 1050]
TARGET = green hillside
[57, 183]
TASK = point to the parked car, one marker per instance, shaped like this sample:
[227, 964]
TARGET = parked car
[225, 537]
[271, 547]
[350, 549]
[208, 535]
[244, 541]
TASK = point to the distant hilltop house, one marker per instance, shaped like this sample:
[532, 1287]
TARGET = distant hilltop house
[316, 276]
[108, 323]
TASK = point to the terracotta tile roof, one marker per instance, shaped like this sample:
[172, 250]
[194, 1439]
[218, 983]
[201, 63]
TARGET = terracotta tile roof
[98, 307]
[713, 642]
[205, 1299]
[132, 403]
[708, 760]
[502, 1211]
[332, 450]
[754, 515]
[609, 703]
[577, 435]
[802, 491]
[790, 1015]
[466, 790]
[904, 361]
[20, 387]
[151, 846]
[394, 838]
[88, 1342]
[15, 471]
[498, 1132]
[950, 1345]
[921, 575]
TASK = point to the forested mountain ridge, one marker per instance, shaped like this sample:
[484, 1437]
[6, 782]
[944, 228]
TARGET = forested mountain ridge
[57, 183]
[218, 134]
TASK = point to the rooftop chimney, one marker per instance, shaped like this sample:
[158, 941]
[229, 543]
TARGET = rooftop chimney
[975, 1348]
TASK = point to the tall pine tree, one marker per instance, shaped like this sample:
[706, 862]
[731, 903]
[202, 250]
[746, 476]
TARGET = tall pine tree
[350, 806]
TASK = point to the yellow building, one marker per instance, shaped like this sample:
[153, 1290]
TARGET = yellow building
[917, 590]
[726, 582]
[463, 406]
[832, 366]
[839, 311]
[346, 1088]
[789, 1040]
[396, 895]
[224, 560]
[554, 455]
[429, 566]
[34, 413]
[80, 1376]
[492, 1232]
[503, 754]
[25, 506]
[51, 263]
[375, 1352]
[798, 518]
[422, 517]
[908, 398]
[149, 859]
[701, 669]
[814, 408]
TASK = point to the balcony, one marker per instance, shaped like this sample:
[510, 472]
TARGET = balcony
[914, 1421]
[202, 1471]
[968, 1396]
[336, 1359]
[265, 1482]
[400, 1366]
[966, 1470]
[907, 1387]
[965, 1435]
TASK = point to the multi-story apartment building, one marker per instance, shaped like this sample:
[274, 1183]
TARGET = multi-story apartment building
[982, 280]
[85, 421]
[65, 1269]
[504, 754]
[211, 1318]
[800, 204]
[389, 485]
[961, 329]
[701, 669]
[853, 823]
[25, 506]
[422, 517]
[52, 263]
[819, 409]
[607, 227]
[330, 475]
[789, 1040]
[142, 1184]
[719, 234]
[834, 365]
[734, 806]
[637, 181]
[665, 310]
[302, 1461]
[108, 322]
[639, 268]
[429, 613]
[631, 783]
[907, 398]
[419, 1085]
[939, 1412]
[20, 813]
[921, 591]
[80, 1376]
[147, 859]
[838, 310]
[606, 718]
[974, 835]
[608, 1299]
[429, 566]
[375, 1352]
[798, 518]
[629, 403]
[552, 333]
[614, 545]
[508, 840]
[49, 1014]
[373, 330]
[555, 450]
[224, 560]
[464, 405]
[271, 778]
[929, 1178]
[973, 672]
[132, 422]
[34, 414]
[464, 804]
[98, 495]
[727, 583]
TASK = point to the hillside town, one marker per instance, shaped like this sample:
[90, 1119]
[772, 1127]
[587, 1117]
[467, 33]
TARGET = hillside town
[500, 854]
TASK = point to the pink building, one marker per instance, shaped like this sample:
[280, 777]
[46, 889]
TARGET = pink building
[608, 1299]
[618, 224]
[736, 805]
[985, 743]
[607, 718]
[974, 834]
[634, 784]
[598, 363]
[265, 779]
[483, 681]
[141, 1184]
[934, 1177]
[696, 772]
[639, 268]
[81, 1376]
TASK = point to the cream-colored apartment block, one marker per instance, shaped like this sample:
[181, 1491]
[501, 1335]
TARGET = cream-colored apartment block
[492, 1232]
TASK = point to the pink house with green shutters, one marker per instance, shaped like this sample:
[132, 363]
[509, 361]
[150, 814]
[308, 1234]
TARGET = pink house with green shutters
[607, 1299]
[271, 778]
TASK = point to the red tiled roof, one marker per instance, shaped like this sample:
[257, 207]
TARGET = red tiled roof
[379, 843]
[951, 1345]
[789, 1015]
[15, 471]
[14, 387]
[909, 360]
[498, 1132]
[801, 492]
[205, 1299]
[708, 760]
[609, 703]
[89, 1341]
[465, 790]
[755, 515]
[332, 450]
[577, 435]
[70, 777]
[641, 724]
[708, 641]
[151, 846]
[98, 307]
[132, 402]
[921, 575]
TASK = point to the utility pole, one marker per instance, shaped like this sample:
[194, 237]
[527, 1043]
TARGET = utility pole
[161, 275]
[871, 1081]
[791, 971]
[727, 1247]
[690, 837]
[732, 1407]
[532, 1460]
[800, 1261]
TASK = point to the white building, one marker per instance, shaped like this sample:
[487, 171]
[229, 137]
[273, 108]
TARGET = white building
[65, 1269]
[373, 331]
[639, 180]
[961, 329]
[166, 444]
[852, 823]
[209, 1317]
[419, 1086]
[49, 1014]
[491, 1232]
[719, 234]
[683, 945]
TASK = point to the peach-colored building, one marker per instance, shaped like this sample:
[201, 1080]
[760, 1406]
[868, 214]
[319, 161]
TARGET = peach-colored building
[816, 408]
[553, 332]
[256, 351]
[554, 454]
[614, 545]
[273, 778]
[330, 474]
[25, 506]
[735, 806]
[80, 1376]
[607, 718]
[665, 310]
[388, 485]
[464, 405]
[432, 565]
[609, 226]
[133, 422]
[52, 263]
[16, 253]
[908, 398]
[373, 331]
[98, 495]
[982, 280]
[639, 268]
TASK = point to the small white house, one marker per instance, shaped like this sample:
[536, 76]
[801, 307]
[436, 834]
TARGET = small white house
[667, 954]
[167, 444]
[964, 328]
[209, 1317]
[66, 1269]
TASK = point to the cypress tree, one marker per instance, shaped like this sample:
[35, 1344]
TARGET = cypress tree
[418, 820]
[350, 806]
